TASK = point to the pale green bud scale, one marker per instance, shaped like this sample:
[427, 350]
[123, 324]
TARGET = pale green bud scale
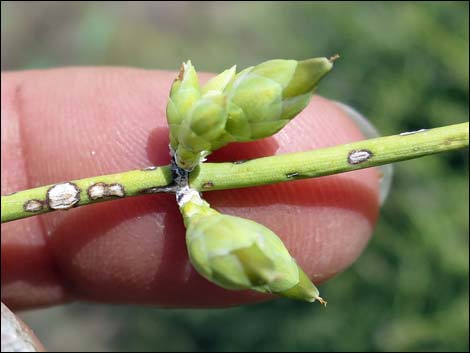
[294, 105]
[204, 125]
[237, 124]
[280, 71]
[208, 117]
[259, 97]
[219, 82]
[258, 130]
[307, 75]
[237, 253]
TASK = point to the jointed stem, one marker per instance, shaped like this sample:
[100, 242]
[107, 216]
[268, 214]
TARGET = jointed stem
[331, 160]
[221, 176]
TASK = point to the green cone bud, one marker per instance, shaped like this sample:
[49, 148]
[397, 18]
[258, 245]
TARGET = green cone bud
[203, 126]
[253, 104]
[219, 82]
[237, 254]
[264, 98]
[184, 92]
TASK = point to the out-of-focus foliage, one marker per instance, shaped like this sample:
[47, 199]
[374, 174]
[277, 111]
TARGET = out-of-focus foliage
[404, 65]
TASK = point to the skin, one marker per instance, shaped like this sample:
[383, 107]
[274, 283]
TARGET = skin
[66, 124]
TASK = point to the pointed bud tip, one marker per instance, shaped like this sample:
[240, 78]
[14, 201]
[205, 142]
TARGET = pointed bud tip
[333, 58]
[183, 68]
[320, 300]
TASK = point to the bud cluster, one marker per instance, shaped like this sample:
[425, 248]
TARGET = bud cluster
[253, 104]
[233, 252]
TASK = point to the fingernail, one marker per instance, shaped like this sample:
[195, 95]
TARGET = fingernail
[15, 338]
[369, 131]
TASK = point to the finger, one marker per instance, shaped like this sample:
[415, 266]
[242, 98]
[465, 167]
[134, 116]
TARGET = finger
[16, 336]
[68, 124]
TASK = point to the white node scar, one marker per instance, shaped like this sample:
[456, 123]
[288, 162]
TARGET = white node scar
[63, 196]
[359, 156]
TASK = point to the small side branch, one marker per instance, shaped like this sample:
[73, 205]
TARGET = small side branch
[221, 176]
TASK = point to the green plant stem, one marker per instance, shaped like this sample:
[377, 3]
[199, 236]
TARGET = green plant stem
[261, 171]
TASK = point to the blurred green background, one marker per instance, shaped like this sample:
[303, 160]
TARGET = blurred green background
[404, 65]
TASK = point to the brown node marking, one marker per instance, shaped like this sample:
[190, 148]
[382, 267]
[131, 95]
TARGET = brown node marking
[321, 300]
[33, 205]
[241, 161]
[208, 185]
[181, 73]
[292, 175]
[153, 190]
[169, 188]
[359, 156]
[100, 190]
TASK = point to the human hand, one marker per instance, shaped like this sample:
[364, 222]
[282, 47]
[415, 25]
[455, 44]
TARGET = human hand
[66, 124]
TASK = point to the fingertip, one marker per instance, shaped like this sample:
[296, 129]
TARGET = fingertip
[133, 250]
